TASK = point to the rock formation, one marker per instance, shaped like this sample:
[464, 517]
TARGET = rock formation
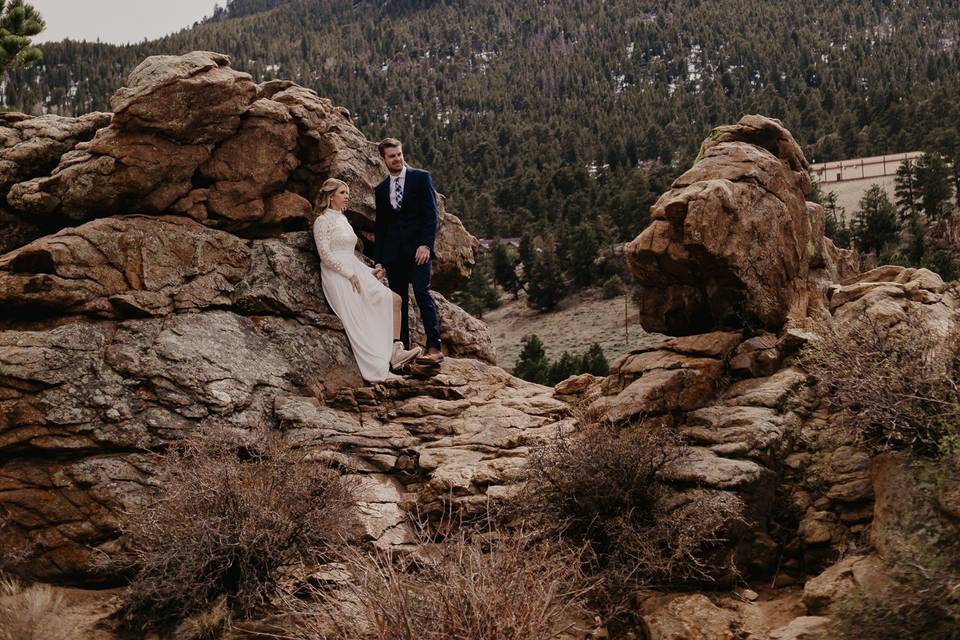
[191, 136]
[733, 243]
[158, 283]
[173, 293]
[736, 263]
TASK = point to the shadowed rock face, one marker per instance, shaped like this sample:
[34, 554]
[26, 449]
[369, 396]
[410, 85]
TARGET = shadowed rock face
[732, 244]
[191, 136]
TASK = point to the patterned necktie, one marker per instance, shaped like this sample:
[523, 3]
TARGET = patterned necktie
[397, 192]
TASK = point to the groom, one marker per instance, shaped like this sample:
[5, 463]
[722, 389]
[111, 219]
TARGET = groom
[405, 230]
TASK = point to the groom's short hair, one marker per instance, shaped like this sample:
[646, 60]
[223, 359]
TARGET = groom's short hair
[387, 143]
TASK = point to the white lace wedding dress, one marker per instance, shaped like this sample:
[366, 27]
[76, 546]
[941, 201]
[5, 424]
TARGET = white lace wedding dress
[367, 317]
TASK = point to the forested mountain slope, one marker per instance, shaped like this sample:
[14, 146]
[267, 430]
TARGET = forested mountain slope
[532, 112]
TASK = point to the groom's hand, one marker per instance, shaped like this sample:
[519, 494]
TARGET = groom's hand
[423, 254]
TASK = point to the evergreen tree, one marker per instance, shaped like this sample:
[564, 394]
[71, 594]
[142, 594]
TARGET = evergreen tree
[505, 270]
[907, 190]
[18, 23]
[528, 255]
[612, 287]
[933, 176]
[581, 254]
[479, 293]
[546, 287]
[565, 366]
[594, 362]
[835, 227]
[532, 364]
[875, 222]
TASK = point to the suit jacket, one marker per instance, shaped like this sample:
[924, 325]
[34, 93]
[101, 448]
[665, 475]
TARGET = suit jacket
[398, 232]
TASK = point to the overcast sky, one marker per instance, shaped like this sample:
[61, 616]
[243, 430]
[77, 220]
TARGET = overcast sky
[117, 21]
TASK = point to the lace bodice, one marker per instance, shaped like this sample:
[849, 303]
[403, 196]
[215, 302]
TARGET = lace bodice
[335, 240]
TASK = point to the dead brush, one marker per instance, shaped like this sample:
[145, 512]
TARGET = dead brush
[34, 612]
[891, 387]
[222, 524]
[513, 588]
[601, 488]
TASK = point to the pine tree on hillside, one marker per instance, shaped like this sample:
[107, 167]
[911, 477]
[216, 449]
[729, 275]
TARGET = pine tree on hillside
[875, 222]
[18, 23]
[505, 270]
[907, 190]
[563, 367]
[933, 176]
[528, 255]
[835, 227]
[580, 254]
[594, 362]
[532, 364]
[546, 287]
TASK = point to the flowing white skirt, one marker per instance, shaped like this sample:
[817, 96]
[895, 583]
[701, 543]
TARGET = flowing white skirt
[367, 317]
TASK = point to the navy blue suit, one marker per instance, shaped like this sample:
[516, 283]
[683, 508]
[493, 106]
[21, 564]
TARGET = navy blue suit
[397, 234]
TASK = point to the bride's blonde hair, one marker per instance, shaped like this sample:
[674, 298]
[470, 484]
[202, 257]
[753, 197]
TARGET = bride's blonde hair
[327, 189]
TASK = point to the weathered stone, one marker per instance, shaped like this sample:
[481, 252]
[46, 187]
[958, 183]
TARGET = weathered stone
[771, 392]
[688, 617]
[804, 628]
[747, 432]
[195, 98]
[864, 573]
[16, 232]
[705, 468]
[907, 518]
[682, 383]
[32, 146]
[699, 264]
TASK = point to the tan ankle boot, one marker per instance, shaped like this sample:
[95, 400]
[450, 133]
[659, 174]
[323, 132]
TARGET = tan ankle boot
[402, 356]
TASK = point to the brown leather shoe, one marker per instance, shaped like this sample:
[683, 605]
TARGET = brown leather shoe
[433, 356]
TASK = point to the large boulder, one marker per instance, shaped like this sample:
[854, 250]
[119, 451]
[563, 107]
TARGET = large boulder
[191, 136]
[733, 242]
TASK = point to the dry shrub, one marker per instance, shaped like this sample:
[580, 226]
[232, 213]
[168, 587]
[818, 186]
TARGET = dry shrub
[34, 612]
[601, 488]
[892, 388]
[222, 524]
[514, 588]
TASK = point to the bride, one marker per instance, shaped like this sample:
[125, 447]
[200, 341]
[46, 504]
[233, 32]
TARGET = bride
[354, 290]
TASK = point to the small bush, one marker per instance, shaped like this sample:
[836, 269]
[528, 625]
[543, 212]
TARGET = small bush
[34, 612]
[510, 589]
[612, 287]
[222, 525]
[893, 388]
[601, 488]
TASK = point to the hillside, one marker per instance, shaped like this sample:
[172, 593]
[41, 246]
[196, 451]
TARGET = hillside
[536, 115]
[580, 319]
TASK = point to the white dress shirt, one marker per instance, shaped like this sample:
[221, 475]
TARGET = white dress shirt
[393, 186]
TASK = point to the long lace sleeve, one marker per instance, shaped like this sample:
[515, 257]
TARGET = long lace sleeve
[323, 230]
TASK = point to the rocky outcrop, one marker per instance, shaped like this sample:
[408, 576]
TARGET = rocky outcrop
[191, 136]
[126, 334]
[733, 242]
[158, 283]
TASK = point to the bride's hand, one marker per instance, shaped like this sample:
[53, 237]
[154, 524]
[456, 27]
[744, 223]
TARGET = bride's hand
[355, 282]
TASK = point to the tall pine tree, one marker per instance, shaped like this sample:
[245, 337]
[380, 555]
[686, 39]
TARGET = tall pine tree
[18, 23]
[875, 222]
